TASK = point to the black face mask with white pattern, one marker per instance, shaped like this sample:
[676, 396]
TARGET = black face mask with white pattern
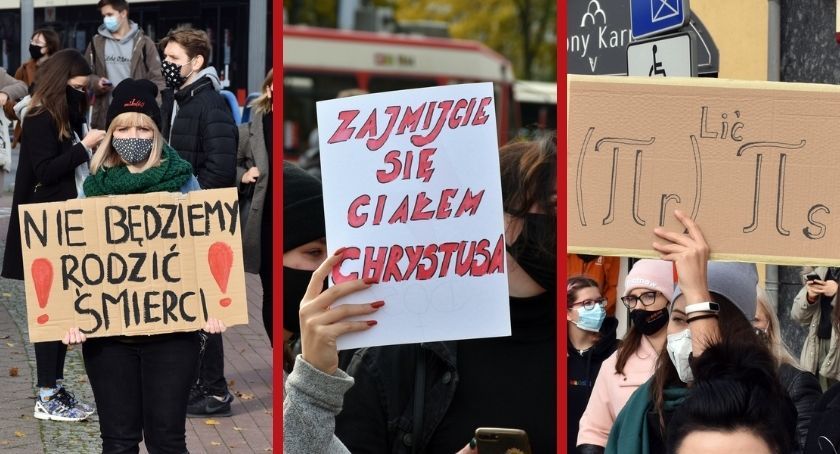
[134, 150]
[172, 74]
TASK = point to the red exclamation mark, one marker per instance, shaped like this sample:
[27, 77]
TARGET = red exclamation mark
[42, 275]
[220, 257]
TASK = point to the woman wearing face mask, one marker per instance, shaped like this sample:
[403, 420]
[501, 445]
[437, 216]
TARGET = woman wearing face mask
[710, 340]
[591, 341]
[648, 289]
[492, 382]
[43, 44]
[802, 386]
[315, 385]
[140, 383]
[53, 164]
[253, 171]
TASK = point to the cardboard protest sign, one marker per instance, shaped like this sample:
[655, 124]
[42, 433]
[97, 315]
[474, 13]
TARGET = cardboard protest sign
[134, 264]
[755, 163]
[412, 189]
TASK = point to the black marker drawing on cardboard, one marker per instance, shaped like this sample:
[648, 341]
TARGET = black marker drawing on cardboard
[781, 181]
[578, 182]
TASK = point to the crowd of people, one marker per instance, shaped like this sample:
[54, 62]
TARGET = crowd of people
[132, 116]
[703, 366]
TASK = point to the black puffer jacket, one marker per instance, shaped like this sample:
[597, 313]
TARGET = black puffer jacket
[804, 390]
[203, 132]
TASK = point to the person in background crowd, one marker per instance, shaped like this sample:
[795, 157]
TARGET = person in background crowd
[118, 51]
[711, 342]
[315, 385]
[464, 379]
[648, 290]
[53, 163]
[44, 42]
[140, 383]
[802, 386]
[815, 306]
[253, 175]
[591, 341]
[198, 124]
[603, 270]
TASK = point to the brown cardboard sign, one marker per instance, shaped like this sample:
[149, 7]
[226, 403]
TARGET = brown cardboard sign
[134, 264]
[754, 163]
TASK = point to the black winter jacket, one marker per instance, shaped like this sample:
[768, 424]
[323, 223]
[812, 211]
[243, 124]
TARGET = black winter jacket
[45, 173]
[804, 390]
[582, 370]
[203, 133]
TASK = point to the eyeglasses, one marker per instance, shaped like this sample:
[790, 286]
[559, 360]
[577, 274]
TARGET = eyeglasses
[589, 304]
[646, 299]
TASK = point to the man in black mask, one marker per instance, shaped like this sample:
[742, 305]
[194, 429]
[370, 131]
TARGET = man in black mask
[304, 248]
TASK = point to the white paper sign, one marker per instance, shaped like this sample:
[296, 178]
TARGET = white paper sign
[412, 189]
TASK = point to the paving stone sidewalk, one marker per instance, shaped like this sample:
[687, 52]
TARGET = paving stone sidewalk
[247, 368]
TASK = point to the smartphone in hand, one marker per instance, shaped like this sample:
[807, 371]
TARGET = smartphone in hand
[496, 440]
[812, 277]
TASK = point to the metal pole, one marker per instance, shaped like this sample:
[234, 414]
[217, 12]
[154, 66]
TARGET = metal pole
[774, 46]
[27, 26]
[257, 34]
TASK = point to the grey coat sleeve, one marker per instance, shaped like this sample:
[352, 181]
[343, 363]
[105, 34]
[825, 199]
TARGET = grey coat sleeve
[311, 402]
[16, 89]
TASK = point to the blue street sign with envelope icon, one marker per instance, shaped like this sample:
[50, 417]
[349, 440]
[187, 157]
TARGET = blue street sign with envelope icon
[652, 17]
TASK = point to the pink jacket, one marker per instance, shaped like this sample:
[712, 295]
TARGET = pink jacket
[611, 392]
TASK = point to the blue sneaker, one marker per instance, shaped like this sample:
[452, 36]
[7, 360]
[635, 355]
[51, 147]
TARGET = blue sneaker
[53, 409]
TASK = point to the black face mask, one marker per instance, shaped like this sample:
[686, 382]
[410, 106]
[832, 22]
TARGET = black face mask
[649, 322]
[35, 51]
[76, 105]
[536, 249]
[295, 283]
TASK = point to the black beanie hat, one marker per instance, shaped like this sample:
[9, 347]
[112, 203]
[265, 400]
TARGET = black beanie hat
[303, 207]
[134, 96]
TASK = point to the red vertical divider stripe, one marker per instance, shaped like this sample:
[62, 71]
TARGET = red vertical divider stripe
[561, 228]
[276, 35]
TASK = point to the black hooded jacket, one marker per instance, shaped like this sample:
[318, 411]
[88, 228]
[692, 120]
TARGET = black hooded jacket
[583, 368]
[203, 132]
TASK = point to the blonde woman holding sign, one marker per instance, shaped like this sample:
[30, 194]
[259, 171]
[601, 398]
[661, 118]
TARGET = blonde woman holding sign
[140, 383]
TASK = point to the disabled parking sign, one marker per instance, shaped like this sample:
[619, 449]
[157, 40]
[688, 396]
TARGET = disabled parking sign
[653, 17]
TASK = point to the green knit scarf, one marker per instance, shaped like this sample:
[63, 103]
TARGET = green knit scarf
[172, 173]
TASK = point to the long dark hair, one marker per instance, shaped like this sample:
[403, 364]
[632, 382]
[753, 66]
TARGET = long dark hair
[734, 329]
[51, 87]
[741, 393]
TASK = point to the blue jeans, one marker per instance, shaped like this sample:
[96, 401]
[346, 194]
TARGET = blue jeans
[141, 387]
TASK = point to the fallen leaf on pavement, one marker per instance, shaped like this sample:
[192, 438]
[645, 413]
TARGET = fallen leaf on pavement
[238, 429]
[245, 396]
[232, 383]
[13, 372]
[19, 434]
[5, 336]
[9, 344]
[215, 443]
[268, 450]
[211, 422]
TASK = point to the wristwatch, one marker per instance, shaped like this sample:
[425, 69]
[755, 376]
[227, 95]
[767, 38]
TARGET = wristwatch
[706, 306]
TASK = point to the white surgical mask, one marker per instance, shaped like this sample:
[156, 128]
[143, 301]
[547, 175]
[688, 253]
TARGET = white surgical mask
[679, 349]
